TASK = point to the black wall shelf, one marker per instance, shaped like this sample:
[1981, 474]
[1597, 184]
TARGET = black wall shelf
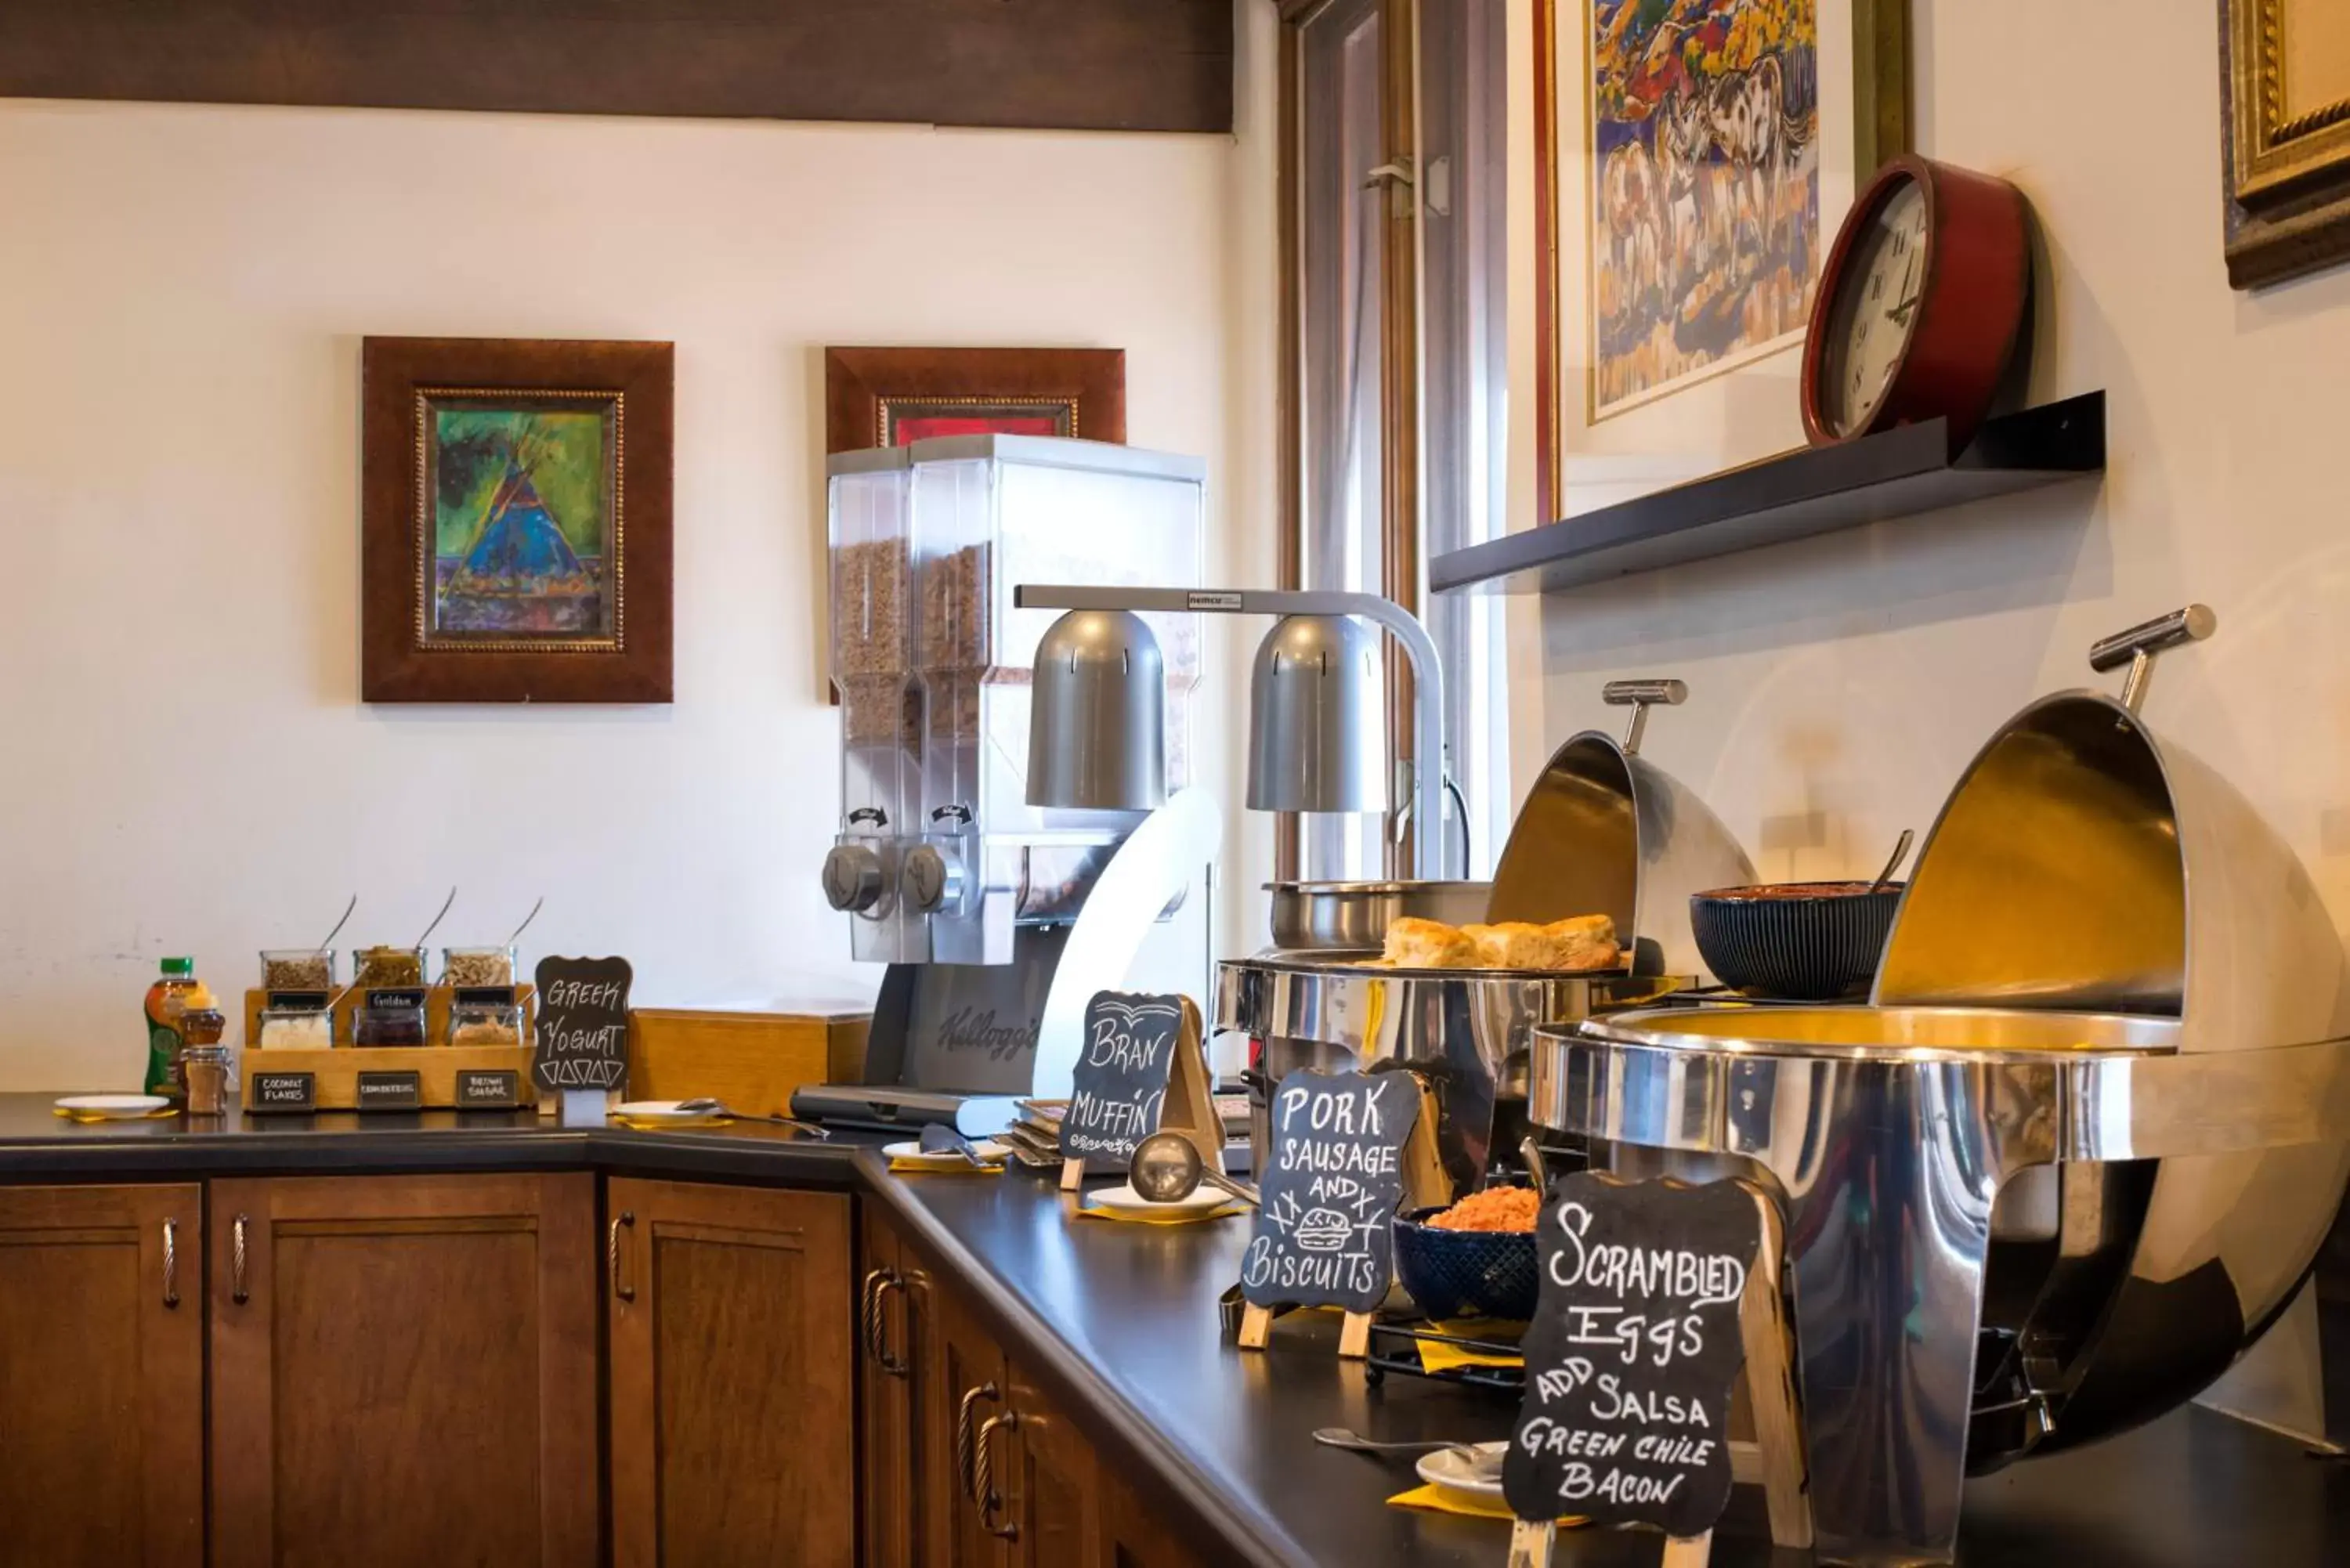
[1811, 490]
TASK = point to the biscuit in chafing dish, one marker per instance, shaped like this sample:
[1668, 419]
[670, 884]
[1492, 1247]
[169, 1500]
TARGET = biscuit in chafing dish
[1579, 942]
[1415, 943]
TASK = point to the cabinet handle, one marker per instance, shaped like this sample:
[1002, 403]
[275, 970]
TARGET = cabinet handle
[236, 1291]
[984, 1492]
[865, 1312]
[889, 1362]
[171, 1263]
[964, 1470]
[624, 1290]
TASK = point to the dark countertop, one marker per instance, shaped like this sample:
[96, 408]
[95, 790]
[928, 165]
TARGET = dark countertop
[1120, 1321]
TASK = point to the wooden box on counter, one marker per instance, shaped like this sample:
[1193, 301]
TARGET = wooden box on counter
[448, 1077]
[751, 1056]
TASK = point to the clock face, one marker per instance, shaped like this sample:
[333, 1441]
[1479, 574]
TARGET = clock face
[1876, 311]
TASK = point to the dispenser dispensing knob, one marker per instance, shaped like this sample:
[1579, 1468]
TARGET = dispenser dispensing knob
[932, 876]
[852, 877]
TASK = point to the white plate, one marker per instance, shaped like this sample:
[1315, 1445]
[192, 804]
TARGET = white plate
[987, 1148]
[1124, 1200]
[113, 1106]
[663, 1111]
[1448, 1469]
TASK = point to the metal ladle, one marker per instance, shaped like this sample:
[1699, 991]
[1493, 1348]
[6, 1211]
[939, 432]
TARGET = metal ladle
[1167, 1168]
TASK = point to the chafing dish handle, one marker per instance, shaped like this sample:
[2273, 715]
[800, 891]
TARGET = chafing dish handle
[2137, 646]
[1640, 696]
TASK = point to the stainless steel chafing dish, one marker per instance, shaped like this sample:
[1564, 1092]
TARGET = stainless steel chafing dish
[2078, 1153]
[1602, 832]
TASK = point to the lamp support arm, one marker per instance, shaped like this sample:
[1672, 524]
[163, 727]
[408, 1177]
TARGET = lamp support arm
[1419, 647]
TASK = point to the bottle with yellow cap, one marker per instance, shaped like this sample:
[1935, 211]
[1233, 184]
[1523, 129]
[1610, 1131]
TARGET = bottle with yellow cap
[170, 998]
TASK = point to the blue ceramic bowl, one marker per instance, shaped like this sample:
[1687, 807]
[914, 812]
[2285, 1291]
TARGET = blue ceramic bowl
[1804, 942]
[1445, 1271]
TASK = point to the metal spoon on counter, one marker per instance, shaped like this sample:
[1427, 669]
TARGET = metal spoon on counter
[708, 1106]
[1355, 1442]
[1166, 1168]
[937, 1137]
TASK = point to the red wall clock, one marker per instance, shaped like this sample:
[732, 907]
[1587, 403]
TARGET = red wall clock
[1920, 309]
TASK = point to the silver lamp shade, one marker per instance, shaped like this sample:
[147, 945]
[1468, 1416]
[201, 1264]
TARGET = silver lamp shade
[1310, 703]
[1097, 715]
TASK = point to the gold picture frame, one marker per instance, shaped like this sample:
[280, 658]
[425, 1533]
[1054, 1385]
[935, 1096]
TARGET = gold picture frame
[2285, 96]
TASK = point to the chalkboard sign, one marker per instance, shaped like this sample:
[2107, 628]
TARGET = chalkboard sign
[495, 1089]
[401, 1091]
[583, 1024]
[1633, 1352]
[282, 1092]
[1121, 1082]
[1333, 1180]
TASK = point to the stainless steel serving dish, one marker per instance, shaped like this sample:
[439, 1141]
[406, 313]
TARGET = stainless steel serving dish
[1602, 832]
[1350, 916]
[2076, 1155]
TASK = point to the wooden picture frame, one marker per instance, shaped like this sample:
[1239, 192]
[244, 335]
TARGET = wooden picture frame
[2285, 86]
[886, 397]
[515, 522]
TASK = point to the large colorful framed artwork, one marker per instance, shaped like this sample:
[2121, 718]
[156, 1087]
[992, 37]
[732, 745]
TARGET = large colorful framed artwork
[889, 396]
[516, 521]
[1696, 157]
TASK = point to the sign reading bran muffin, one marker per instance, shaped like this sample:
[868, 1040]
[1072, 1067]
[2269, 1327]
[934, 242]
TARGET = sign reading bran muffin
[1333, 1179]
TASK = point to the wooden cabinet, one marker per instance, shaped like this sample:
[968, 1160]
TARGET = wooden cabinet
[963, 1405]
[895, 1329]
[403, 1370]
[101, 1377]
[732, 1376]
[1004, 1477]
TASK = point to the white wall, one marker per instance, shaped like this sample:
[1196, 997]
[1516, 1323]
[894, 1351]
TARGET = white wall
[182, 293]
[1839, 684]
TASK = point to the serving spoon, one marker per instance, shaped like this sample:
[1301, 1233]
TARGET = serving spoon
[1355, 1442]
[1900, 853]
[1167, 1168]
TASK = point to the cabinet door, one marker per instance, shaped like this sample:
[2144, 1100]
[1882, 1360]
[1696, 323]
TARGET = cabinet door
[732, 1430]
[1134, 1536]
[967, 1388]
[894, 1333]
[1051, 1496]
[101, 1377]
[403, 1369]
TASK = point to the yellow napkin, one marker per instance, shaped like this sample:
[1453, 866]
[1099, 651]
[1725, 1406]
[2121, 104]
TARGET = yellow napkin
[87, 1117]
[957, 1168]
[1435, 1355]
[1087, 1211]
[1445, 1499]
[636, 1125]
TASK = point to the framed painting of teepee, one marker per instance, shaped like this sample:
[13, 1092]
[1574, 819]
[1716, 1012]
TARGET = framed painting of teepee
[515, 536]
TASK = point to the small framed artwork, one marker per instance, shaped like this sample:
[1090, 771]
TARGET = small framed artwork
[516, 521]
[2285, 124]
[889, 396]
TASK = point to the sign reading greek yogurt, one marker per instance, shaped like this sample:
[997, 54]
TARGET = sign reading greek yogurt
[583, 1024]
[1632, 1354]
[1332, 1181]
[1119, 1087]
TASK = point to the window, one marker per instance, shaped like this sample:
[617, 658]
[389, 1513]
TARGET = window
[1396, 246]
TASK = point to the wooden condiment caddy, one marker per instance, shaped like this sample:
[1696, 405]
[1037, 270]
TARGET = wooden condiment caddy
[376, 1077]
